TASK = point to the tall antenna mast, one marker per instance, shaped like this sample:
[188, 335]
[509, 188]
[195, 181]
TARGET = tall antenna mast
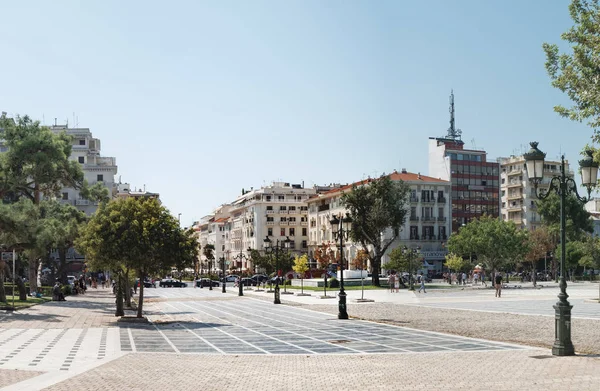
[453, 133]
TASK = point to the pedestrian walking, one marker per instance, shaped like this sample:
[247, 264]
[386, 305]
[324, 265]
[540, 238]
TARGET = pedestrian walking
[498, 284]
[392, 281]
[422, 286]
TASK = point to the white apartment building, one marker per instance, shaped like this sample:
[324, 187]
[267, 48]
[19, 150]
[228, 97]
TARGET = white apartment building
[593, 206]
[96, 168]
[278, 211]
[517, 194]
[427, 225]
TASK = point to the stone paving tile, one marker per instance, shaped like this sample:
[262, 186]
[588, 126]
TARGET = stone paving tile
[12, 376]
[499, 371]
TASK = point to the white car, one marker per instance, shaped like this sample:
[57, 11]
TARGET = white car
[71, 280]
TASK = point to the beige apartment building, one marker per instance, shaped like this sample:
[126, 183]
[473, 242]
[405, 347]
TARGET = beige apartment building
[517, 194]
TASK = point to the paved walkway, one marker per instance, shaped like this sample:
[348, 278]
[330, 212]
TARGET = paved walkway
[227, 341]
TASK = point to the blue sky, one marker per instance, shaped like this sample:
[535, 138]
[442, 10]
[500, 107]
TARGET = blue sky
[198, 100]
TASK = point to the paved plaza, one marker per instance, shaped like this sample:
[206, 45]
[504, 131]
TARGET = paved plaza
[229, 341]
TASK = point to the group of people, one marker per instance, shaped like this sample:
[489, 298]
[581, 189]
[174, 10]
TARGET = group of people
[394, 281]
[463, 278]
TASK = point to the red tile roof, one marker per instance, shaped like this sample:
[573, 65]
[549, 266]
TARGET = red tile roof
[222, 219]
[395, 176]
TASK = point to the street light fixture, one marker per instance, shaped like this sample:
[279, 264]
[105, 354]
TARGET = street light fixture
[411, 252]
[340, 228]
[239, 258]
[270, 249]
[562, 185]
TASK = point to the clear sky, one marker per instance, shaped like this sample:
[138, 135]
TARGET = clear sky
[198, 100]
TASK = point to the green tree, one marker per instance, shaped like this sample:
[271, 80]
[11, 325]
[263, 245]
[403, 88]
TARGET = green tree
[301, 266]
[578, 221]
[575, 251]
[577, 74]
[457, 263]
[209, 253]
[62, 224]
[36, 165]
[399, 260]
[495, 242]
[378, 209]
[136, 233]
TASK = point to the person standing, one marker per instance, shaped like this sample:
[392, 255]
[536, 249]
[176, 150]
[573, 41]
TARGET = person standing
[498, 284]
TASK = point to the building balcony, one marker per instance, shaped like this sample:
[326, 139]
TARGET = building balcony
[304, 223]
[514, 184]
[283, 223]
[270, 211]
[515, 197]
[428, 218]
[442, 237]
[270, 223]
[414, 237]
[312, 243]
[514, 172]
[428, 237]
[83, 202]
[414, 199]
[441, 200]
[321, 208]
[428, 200]
[514, 208]
[282, 211]
[441, 218]
[414, 218]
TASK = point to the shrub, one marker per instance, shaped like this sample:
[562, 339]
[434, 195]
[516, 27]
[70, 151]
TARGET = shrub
[334, 283]
[67, 289]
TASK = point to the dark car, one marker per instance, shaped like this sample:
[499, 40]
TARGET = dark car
[147, 283]
[202, 282]
[259, 279]
[170, 283]
[229, 278]
[247, 281]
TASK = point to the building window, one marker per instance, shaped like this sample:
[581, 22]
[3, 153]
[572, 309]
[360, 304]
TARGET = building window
[282, 232]
[281, 198]
[292, 232]
[65, 196]
[269, 218]
[282, 208]
[304, 231]
[292, 219]
[269, 207]
[282, 219]
[81, 142]
[100, 177]
[81, 159]
[304, 244]
[270, 231]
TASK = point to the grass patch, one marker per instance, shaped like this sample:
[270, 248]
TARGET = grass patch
[346, 287]
[31, 301]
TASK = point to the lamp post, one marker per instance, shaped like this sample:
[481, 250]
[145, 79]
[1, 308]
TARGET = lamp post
[562, 185]
[239, 258]
[224, 290]
[270, 249]
[340, 227]
[411, 252]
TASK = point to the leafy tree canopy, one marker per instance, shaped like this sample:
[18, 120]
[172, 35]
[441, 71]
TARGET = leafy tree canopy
[378, 209]
[578, 219]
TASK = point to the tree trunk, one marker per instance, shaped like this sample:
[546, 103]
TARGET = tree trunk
[2, 292]
[33, 273]
[119, 300]
[127, 290]
[375, 269]
[141, 296]
[534, 277]
[62, 265]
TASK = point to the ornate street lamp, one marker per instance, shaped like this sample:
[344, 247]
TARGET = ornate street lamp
[239, 258]
[562, 185]
[412, 253]
[222, 259]
[270, 249]
[340, 227]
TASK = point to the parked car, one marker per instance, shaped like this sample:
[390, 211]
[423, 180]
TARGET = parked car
[247, 281]
[170, 283]
[71, 280]
[230, 278]
[202, 282]
[259, 279]
[147, 283]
